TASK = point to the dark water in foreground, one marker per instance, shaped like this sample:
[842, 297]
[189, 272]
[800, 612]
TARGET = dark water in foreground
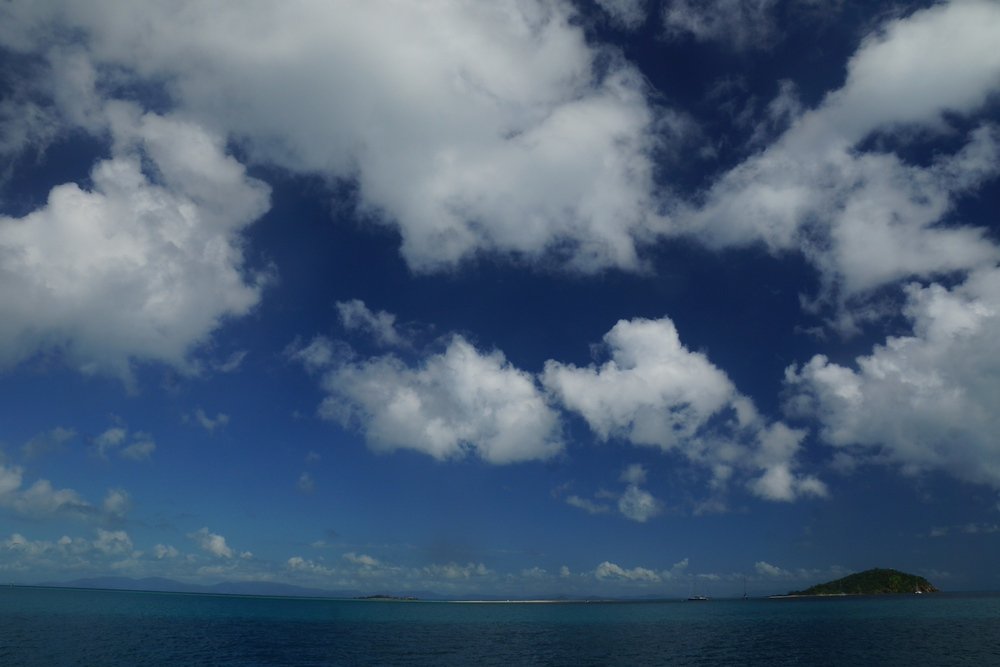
[83, 627]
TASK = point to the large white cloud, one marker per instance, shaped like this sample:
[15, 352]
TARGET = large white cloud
[472, 127]
[454, 403]
[41, 500]
[142, 265]
[925, 401]
[869, 218]
[216, 545]
[654, 391]
[609, 570]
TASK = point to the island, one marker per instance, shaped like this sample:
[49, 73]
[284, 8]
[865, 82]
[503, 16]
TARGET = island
[388, 598]
[877, 581]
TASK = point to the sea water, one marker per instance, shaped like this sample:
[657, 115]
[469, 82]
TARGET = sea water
[48, 626]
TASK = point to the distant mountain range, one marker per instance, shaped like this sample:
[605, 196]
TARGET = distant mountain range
[164, 585]
[270, 588]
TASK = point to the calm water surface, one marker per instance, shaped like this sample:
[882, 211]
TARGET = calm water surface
[83, 627]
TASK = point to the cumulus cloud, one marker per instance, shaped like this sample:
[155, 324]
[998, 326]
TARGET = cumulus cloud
[48, 441]
[453, 571]
[638, 504]
[654, 391]
[381, 326]
[300, 564]
[363, 560]
[161, 551]
[316, 355]
[232, 363]
[608, 570]
[110, 439]
[766, 569]
[306, 484]
[113, 440]
[212, 543]
[925, 401]
[867, 217]
[42, 500]
[66, 552]
[366, 570]
[117, 503]
[470, 128]
[210, 423]
[140, 449]
[629, 14]
[634, 473]
[141, 265]
[737, 24]
[115, 542]
[453, 404]
[588, 506]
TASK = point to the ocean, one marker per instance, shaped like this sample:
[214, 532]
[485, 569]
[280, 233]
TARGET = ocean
[52, 626]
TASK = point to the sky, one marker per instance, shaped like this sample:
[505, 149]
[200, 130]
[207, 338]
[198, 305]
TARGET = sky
[524, 298]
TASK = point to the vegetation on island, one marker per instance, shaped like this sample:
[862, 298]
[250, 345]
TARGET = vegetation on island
[877, 581]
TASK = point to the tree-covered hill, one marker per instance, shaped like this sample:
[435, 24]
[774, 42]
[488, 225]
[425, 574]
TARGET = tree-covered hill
[877, 581]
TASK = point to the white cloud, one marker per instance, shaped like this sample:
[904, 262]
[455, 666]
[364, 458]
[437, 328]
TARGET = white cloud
[867, 218]
[318, 354]
[355, 316]
[608, 570]
[306, 484]
[210, 423]
[117, 503]
[629, 14]
[212, 543]
[299, 564]
[737, 24]
[656, 392]
[144, 264]
[48, 441]
[454, 403]
[653, 390]
[766, 569]
[42, 500]
[361, 559]
[638, 504]
[452, 571]
[115, 542]
[586, 505]
[139, 450]
[926, 401]
[471, 127]
[161, 551]
[232, 362]
[634, 473]
[111, 440]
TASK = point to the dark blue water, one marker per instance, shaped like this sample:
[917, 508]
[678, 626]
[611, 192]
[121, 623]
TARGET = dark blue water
[81, 627]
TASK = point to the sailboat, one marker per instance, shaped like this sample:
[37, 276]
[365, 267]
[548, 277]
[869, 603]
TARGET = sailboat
[696, 598]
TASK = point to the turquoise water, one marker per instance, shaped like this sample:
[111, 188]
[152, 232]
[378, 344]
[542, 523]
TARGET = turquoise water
[83, 627]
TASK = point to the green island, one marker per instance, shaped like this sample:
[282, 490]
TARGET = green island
[877, 581]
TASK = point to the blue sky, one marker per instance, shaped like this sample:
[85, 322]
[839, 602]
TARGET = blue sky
[530, 297]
